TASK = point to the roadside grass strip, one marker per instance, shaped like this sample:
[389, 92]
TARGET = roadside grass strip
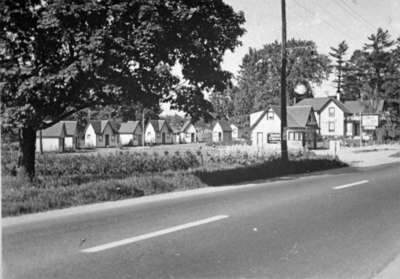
[138, 238]
[350, 185]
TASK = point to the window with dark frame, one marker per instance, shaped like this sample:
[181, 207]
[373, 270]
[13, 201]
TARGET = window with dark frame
[331, 112]
[331, 126]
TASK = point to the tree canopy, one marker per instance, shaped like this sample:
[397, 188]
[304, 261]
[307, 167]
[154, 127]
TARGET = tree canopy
[374, 70]
[259, 76]
[59, 57]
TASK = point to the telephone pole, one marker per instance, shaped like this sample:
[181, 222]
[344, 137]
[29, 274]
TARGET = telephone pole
[284, 150]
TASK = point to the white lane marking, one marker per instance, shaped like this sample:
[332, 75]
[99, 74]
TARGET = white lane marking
[350, 185]
[152, 234]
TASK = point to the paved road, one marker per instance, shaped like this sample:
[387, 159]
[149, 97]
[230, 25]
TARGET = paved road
[337, 224]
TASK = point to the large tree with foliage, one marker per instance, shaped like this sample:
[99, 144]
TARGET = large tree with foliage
[338, 54]
[259, 76]
[371, 68]
[59, 57]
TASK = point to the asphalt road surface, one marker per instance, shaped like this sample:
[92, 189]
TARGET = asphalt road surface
[336, 224]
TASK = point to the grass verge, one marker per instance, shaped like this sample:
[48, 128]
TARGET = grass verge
[21, 197]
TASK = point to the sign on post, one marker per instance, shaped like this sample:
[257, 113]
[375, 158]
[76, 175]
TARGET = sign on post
[369, 121]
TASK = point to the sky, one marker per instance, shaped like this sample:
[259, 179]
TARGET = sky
[326, 22]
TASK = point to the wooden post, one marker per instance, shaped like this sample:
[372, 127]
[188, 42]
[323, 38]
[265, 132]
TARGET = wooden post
[143, 133]
[41, 141]
[284, 151]
[361, 130]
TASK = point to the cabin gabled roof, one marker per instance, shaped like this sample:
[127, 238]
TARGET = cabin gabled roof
[225, 125]
[186, 126]
[55, 131]
[71, 127]
[128, 127]
[297, 116]
[100, 125]
[158, 124]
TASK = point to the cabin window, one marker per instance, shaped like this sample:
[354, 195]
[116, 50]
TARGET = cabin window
[112, 138]
[331, 126]
[100, 138]
[291, 136]
[270, 115]
[331, 112]
[88, 136]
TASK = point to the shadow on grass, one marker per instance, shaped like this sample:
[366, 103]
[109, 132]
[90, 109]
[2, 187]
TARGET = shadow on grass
[268, 170]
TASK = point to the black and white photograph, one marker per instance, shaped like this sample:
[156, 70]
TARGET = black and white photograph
[197, 139]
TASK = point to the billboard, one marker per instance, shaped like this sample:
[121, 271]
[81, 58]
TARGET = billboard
[370, 121]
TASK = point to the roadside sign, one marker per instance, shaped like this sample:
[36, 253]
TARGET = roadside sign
[370, 121]
[274, 137]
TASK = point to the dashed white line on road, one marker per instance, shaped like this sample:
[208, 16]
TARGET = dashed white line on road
[350, 185]
[152, 234]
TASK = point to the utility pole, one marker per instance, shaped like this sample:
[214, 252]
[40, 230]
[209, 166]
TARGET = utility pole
[143, 134]
[284, 150]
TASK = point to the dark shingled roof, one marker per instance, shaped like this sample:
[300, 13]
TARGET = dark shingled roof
[297, 116]
[99, 125]
[158, 124]
[319, 104]
[71, 128]
[128, 127]
[55, 131]
[186, 125]
[225, 125]
[359, 106]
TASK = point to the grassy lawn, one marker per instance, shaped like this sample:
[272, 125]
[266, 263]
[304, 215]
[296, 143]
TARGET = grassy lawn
[65, 181]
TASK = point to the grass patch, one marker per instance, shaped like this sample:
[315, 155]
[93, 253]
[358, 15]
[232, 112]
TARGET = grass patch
[22, 197]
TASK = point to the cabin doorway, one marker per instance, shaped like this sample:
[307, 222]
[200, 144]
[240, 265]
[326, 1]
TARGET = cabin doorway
[107, 139]
[163, 138]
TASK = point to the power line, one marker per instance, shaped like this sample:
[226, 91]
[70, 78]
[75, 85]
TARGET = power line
[356, 13]
[344, 8]
[335, 29]
[332, 15]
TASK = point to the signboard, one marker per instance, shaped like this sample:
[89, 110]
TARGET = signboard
[370, 121]
[274, 138]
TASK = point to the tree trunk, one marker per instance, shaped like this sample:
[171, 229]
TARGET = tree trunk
[27, 152]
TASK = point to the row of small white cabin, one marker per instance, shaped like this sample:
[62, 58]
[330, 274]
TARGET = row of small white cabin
[106, 133]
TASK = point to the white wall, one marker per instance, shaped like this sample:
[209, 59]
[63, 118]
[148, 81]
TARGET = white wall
[69, 142]
[125, 139]
[235, 132]
[187, 136]
[338, 119]
[217, 129]
[90, 137]
[49, 144]
[150, 134]
[169, 137]
[265, 127]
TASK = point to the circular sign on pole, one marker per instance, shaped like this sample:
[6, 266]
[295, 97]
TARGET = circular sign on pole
[300, 89]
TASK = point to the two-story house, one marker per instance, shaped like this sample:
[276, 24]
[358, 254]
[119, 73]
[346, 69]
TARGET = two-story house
[330, 114]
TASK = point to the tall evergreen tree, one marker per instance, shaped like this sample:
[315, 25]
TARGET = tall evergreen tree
[340, 66]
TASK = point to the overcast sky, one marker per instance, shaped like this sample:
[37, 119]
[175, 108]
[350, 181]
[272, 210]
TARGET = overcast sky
[327, 22]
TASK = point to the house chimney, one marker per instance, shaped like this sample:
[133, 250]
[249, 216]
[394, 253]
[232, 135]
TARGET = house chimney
[338, 96]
